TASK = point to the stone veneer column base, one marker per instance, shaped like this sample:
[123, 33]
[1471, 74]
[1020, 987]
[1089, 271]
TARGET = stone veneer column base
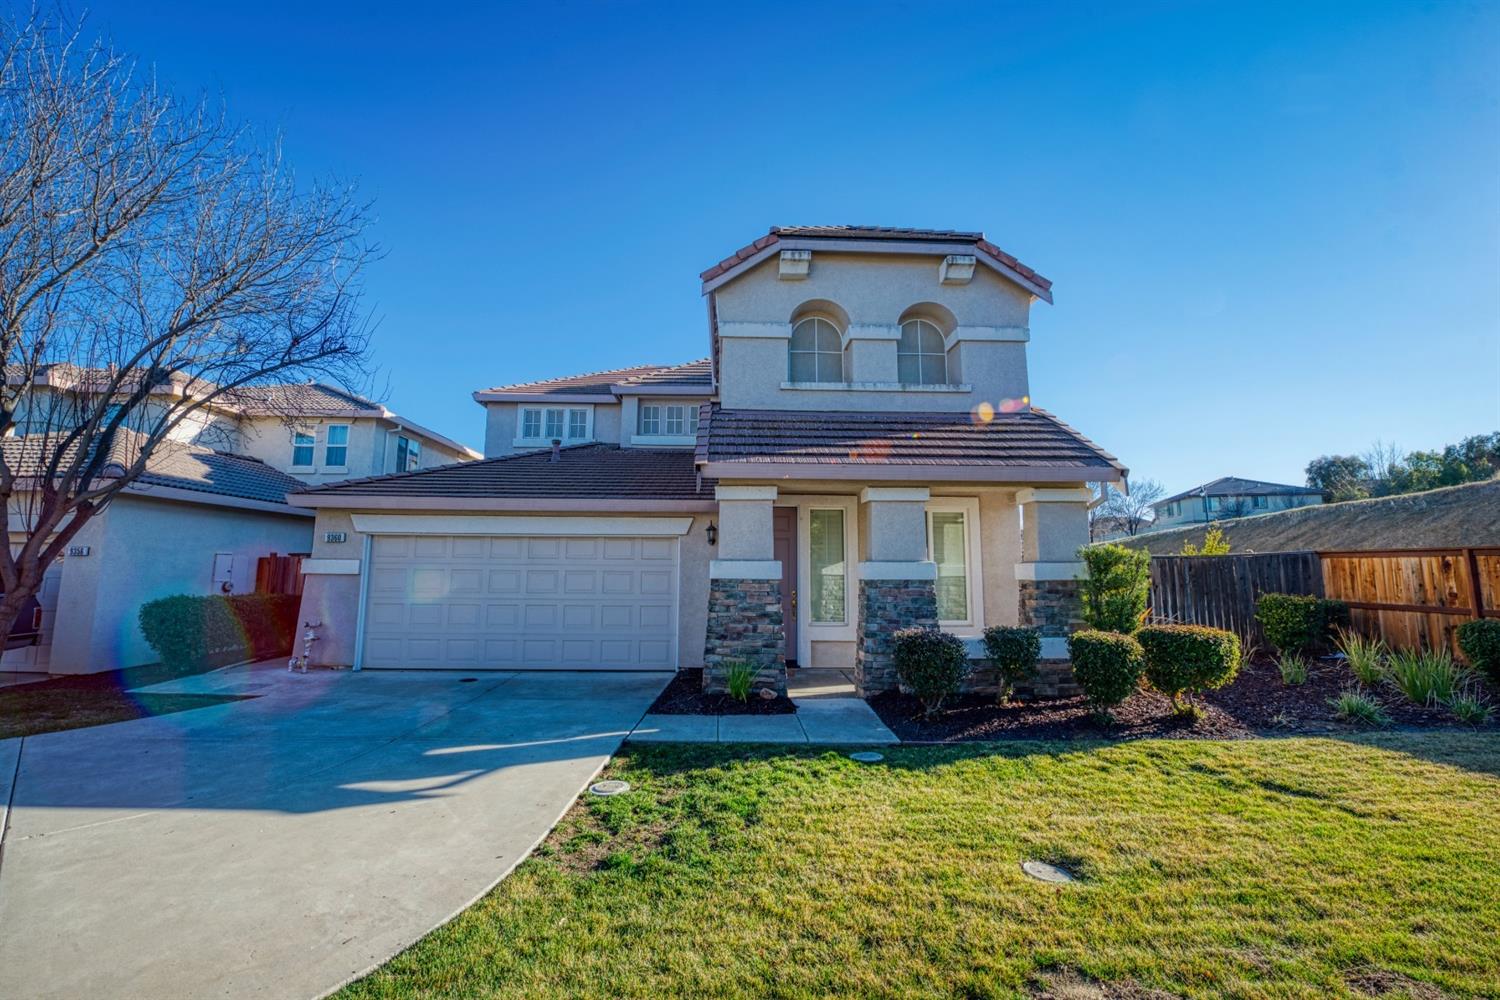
[745, 623]
[1055, 609]
[884, 607]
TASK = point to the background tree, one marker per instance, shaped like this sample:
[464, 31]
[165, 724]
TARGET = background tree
[1339, 477]
[1131, 511]
[153, 261]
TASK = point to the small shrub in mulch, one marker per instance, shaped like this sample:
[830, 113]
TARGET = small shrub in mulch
[1480, 641]
[1107, 665]
[1298, 623]
[684, 696]
[932, 664]
[1188, 658]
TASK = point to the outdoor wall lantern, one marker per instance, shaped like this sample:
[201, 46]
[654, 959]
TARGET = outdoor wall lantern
[713, 533]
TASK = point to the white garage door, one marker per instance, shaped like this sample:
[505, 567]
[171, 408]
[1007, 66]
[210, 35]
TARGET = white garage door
[463, 602]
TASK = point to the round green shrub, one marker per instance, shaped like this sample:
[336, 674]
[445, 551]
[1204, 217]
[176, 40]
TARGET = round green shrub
[1117, 587]
[1191, 658]
[931, 663]
[1107, 666]
[1015, 651]
[1300, 623]
[1480, 641]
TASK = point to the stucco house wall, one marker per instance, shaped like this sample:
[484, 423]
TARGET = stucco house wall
[372, 447]
[141, 549]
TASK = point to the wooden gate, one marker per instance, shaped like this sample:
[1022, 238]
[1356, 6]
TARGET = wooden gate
[276, 574]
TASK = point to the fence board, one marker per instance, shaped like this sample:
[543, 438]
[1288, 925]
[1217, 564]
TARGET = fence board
[278, 574]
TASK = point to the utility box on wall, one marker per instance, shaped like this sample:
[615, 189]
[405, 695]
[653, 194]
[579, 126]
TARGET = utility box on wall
[224, 572]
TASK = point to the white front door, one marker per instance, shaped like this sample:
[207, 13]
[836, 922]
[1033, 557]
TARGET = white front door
[460, 602]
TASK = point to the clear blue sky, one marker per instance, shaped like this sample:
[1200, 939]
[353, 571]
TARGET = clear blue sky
[1274, 229]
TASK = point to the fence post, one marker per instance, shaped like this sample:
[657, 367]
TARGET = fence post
[1476, 594]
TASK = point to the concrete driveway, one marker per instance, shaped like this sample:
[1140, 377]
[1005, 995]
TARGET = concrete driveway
[279, 846]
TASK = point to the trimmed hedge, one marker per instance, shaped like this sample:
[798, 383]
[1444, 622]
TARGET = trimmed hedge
[1107, 666]
[1117, 588]
[1015, 652]
[1192, 658]
[190, 632]
[1480, 641]
[932, 663]
[1300, 623]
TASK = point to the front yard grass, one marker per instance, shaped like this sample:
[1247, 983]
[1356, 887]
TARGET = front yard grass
[1298, 867]
[82, 700]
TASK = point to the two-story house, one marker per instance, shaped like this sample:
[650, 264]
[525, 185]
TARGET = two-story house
[858, 453]
[213, 500]
[1230, 497]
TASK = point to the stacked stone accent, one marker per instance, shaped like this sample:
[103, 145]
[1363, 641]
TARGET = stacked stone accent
[1054, 679]
[884, 607]
[1054, 608]
[745, 623]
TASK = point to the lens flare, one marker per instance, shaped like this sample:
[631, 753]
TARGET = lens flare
[984, 413]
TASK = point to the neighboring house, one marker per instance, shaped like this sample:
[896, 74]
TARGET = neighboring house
[1227, 498]
[1452, 517]
[857, 454]
[212, 502]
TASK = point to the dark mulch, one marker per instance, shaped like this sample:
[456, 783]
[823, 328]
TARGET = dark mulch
[75, 702]
[1257, 702]
[684, 696]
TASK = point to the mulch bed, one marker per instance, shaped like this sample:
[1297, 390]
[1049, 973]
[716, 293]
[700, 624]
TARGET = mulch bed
[1255, 703]
[684, 696]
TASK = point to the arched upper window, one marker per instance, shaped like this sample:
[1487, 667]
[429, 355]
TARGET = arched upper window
[817, 352]
[921, 357]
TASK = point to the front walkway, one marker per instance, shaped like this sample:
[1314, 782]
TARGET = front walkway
[828, 712]
[277, 847]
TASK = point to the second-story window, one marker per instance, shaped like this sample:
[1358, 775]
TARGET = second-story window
[336, 447]
[921, 356]
[408, 454]
[544, 424]
[669, 419]
[302, 449]
[817, 352]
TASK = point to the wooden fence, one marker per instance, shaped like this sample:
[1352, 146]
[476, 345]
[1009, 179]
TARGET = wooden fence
[1409, 597]
[276, 574]
[1221, 590]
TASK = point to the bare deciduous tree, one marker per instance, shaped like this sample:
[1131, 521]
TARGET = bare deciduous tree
[1131, 511]
[153, 263]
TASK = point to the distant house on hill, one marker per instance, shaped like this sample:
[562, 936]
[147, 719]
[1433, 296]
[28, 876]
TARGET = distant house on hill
[1230, 497]
[1452, 517]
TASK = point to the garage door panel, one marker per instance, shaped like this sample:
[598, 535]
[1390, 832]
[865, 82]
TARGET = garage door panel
[476, 602]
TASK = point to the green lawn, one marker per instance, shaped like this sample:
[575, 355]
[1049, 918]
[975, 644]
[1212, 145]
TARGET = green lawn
[1275, 868]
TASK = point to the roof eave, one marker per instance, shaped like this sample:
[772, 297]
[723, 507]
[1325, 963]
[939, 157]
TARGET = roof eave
[503, 396]
[341, 501]
[925, 472]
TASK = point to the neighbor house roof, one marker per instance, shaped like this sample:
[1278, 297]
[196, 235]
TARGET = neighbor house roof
[603, 475]
[1234, 486]
[171, 464]
[1024, 446]
[606, 383]
[805, 237]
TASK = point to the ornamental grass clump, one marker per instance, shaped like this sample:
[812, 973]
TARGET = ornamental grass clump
[1470, 707]
[1366, 657]
[1188, 659]
[1357, 708]
[1299, 623]
[931, 663]
[1107, 665]
[739, 676]
[1427, 677]
[1293, 669]
[1480, 642]
[1015, 652]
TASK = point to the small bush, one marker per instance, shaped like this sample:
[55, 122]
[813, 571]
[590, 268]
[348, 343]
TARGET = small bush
[1426, 677]
[1191, 658]
[1298, 623]
[1107, 666]
[1480, 642]
[1117, 588]
[1470, 708]
[1366, 657]
[191, 632]
[739, 675]
[1214, 544]
[1356, 707]
[1015, 652]
[932, 663]
[1293, 669]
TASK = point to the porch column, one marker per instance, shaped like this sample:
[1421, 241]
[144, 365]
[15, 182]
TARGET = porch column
[1054, 526]
[744, 592]
[896, 579]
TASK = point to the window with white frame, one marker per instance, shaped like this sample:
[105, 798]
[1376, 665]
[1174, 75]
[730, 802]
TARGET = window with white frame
[408, 454]
[667, 420]
[826, 573]
[921, 355]
[556, 423]
[336, 446]
[303, 443]
[1260, 502]
[816, 352]
[952, 545]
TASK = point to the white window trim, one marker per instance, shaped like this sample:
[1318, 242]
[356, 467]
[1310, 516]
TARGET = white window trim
[348, 436]
[312, 433]
[809, 631]
[690, 410]
[974, 565]
[543, 440]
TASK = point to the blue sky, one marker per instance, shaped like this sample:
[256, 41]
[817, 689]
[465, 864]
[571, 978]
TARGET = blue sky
[1273, 229]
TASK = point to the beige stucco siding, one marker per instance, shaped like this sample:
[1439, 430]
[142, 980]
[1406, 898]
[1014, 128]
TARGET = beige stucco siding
[502, 424]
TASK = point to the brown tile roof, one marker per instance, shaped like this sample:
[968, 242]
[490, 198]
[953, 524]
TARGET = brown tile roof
[698, 372]
[304, 398]
[590, 382]
[184, 467]
[1029, 439]
[590, 471]
[876, 233]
